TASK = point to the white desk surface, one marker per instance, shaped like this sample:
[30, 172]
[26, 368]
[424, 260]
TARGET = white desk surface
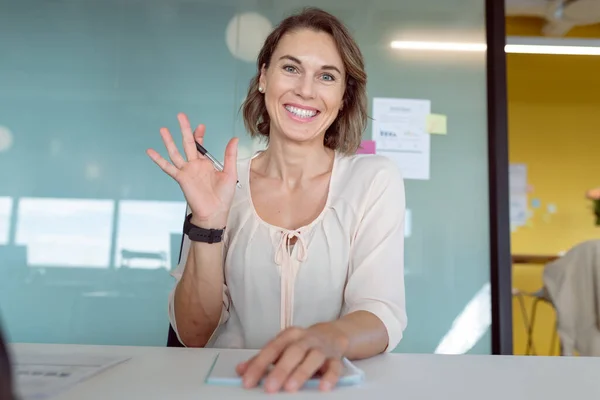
[175, 373]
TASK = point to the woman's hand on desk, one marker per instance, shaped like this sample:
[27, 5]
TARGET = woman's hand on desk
[208, 192]
[297, 354]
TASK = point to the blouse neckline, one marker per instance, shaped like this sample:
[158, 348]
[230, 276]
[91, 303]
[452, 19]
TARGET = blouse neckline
[304, 227]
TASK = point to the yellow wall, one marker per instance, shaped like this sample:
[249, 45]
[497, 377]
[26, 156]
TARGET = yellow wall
[554, 128]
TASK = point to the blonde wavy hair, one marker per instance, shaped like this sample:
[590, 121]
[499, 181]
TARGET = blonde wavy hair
[344, 134]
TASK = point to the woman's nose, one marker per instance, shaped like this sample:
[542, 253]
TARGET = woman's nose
[305, 87]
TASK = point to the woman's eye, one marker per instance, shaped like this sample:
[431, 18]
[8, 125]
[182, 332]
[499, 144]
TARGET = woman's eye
[328, 77]
[290, 69]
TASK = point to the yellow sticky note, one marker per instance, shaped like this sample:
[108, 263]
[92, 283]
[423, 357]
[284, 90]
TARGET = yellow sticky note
[436, 124]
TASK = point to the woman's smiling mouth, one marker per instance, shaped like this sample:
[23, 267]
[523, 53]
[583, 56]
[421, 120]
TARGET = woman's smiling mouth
[300, 113]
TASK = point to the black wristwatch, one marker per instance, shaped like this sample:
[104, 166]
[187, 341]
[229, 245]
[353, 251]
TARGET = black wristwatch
[197, 234]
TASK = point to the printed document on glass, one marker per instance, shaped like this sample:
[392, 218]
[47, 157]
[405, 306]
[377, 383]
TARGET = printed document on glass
[42, 376]
[518, 194]
[400, 133]
[517, 178]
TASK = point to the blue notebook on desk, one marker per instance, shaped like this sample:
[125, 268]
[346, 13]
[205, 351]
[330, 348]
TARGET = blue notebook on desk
[223, 372]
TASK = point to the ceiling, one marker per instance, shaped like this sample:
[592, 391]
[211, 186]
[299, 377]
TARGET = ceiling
[560, 16]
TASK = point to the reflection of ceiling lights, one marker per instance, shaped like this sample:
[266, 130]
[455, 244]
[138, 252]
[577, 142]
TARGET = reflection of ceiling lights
[541, 45]
[245, 35]
[439, 46]
[514, 44]
[6, 139]
[567, 50]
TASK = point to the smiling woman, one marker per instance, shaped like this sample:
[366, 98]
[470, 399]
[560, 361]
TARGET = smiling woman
[332, 61]
[309, 268]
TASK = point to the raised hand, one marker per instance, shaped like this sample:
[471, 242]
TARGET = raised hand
[208, 192]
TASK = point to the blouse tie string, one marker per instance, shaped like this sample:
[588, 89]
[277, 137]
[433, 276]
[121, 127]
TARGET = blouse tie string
[288, 268]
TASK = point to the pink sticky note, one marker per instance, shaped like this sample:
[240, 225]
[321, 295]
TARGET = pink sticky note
[366, 147]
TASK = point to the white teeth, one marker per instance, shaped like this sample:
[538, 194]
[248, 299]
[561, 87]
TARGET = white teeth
[301, 112]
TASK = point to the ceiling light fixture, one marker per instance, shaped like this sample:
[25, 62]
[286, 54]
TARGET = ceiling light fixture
[514, 44]
[439, 46]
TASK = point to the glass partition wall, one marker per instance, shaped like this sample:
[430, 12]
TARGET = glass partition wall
[90, 228]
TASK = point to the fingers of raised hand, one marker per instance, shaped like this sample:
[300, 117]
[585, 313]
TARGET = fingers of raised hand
[189, 144]
[166, 166]
[230, 161]
[199, 133]
[174, 154]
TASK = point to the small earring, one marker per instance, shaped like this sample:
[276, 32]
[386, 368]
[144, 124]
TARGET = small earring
[260, 89]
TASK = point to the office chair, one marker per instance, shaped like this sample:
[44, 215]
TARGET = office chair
[571, 287]
[540, 296]
[6, 377]
[172, 340]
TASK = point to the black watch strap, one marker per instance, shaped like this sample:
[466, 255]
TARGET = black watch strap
[197, 234]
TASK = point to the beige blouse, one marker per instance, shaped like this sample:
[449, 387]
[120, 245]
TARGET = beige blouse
[350, 258]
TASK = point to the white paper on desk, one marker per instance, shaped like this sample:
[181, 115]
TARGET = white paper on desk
[400, 133]
[223, 372]
[41, 376]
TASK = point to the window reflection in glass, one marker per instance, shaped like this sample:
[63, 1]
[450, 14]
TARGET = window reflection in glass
[5, 213]
[65, 232]
[144, 232]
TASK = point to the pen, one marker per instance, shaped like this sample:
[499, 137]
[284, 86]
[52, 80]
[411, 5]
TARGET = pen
[213, 160]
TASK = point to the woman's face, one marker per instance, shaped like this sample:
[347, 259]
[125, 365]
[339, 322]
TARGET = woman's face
[303, 86]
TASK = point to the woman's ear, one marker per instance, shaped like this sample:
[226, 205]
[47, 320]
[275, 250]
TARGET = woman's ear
[262, 80]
